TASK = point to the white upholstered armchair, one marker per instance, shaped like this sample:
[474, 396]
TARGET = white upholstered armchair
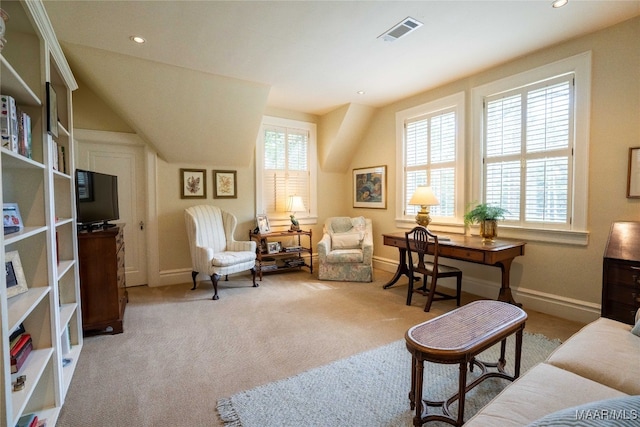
[213, 249]
[345, 252]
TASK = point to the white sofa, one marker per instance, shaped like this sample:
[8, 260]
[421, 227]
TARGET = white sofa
[577, 382]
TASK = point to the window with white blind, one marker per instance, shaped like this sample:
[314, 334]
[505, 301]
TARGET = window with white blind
[528, 152]
[285, 166]
[430, 148]
[534, 152]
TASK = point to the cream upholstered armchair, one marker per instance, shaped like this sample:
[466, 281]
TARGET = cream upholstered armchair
[345, 252]
[213, 249]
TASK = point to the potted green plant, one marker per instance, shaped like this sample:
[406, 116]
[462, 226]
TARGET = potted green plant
[487, 216]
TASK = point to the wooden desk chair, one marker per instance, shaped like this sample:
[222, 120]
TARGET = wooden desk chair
[418, 241]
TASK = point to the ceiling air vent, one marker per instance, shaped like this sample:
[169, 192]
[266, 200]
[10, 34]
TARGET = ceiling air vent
[401, 29]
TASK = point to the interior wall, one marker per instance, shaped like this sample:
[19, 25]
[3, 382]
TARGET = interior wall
[554, 277]
[565, 276]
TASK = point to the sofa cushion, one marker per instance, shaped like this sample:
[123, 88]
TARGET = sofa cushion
[619, 411]
[350, 240]
[542, 390]
[342, 256]
[341, 224]
[225, 259]
[603, 351]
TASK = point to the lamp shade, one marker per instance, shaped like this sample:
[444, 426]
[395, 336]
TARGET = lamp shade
[295, 204]
[424, 196]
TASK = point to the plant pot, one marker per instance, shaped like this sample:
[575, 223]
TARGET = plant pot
[489, 230]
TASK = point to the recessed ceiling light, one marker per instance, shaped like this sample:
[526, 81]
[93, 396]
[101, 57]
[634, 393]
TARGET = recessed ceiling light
[361, 92]
[559, 3]
[137, 39]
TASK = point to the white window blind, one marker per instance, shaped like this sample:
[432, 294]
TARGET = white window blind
[528, 157]
[430, 159]
[285, 169]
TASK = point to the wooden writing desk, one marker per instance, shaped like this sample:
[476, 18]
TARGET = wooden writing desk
[465, 248]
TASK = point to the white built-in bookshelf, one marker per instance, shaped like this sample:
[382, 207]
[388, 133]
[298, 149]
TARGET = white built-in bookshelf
[43, 189]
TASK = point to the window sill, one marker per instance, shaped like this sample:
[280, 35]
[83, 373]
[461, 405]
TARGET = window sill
[565, 237]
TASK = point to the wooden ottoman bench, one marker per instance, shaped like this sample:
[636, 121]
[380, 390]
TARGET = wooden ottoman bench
[457, 337]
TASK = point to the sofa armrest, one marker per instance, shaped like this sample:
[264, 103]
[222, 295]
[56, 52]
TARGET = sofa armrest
[367, 248]
[324, 247]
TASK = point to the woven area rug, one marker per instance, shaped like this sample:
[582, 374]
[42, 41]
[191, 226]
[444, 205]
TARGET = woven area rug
[368, 389]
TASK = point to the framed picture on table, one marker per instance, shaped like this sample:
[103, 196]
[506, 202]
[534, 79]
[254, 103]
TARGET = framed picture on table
[11, 219]
[263, 224]
[16, 283]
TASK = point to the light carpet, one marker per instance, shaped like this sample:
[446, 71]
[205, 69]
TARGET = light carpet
[368, 389]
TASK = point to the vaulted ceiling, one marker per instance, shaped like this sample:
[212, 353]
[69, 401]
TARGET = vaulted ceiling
[197, 89]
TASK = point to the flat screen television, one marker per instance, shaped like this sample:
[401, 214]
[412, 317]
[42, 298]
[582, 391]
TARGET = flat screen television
[96, 199]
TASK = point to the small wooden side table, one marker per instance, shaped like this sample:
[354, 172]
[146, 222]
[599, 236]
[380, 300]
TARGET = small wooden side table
[457, 337]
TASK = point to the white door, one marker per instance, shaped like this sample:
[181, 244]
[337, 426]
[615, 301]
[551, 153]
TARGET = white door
[124, 156]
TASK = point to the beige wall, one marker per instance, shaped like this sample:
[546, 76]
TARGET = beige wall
[549, 271]
[562, 275]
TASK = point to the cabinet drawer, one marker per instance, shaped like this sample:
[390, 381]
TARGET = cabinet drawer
[624, 294]
[621, 312]
[622, 274]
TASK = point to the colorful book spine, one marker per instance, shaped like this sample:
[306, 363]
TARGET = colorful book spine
[9, 123]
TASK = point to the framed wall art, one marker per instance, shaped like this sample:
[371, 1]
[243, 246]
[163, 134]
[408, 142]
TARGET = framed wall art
[633, 175]
[52, 111]
[370, 187]
[193, 183]
[224, 185]
[16, 283]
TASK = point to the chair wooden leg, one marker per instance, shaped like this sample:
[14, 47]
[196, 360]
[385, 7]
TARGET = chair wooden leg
[214, 280]
[410, 289]
[432, 291]
[253, 277]
[459, 288]
[193, 277]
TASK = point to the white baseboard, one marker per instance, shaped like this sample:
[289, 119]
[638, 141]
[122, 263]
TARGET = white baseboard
[555, 305]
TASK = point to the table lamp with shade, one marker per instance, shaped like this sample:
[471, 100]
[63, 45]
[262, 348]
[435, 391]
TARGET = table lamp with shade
[295, 204]
[423, 197]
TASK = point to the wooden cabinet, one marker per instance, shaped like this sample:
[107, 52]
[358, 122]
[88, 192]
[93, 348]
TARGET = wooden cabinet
[102, 279]
[621, 273]
[281, 251]
[42, 186]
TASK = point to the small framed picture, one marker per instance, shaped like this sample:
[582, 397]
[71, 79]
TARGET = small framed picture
[193, 183]
[370, 187]
[224, 185]
[274, 247]
[11, 218]
[16, 283]
[633, 177]
[52, 111]
[263, 224]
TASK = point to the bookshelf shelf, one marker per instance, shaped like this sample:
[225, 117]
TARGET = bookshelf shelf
[49, 310]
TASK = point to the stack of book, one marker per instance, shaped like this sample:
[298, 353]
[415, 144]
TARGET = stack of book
[15, 127]
[21, 346]
[292, 248]
[268, 264]
[293, 262]
[31, 420]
